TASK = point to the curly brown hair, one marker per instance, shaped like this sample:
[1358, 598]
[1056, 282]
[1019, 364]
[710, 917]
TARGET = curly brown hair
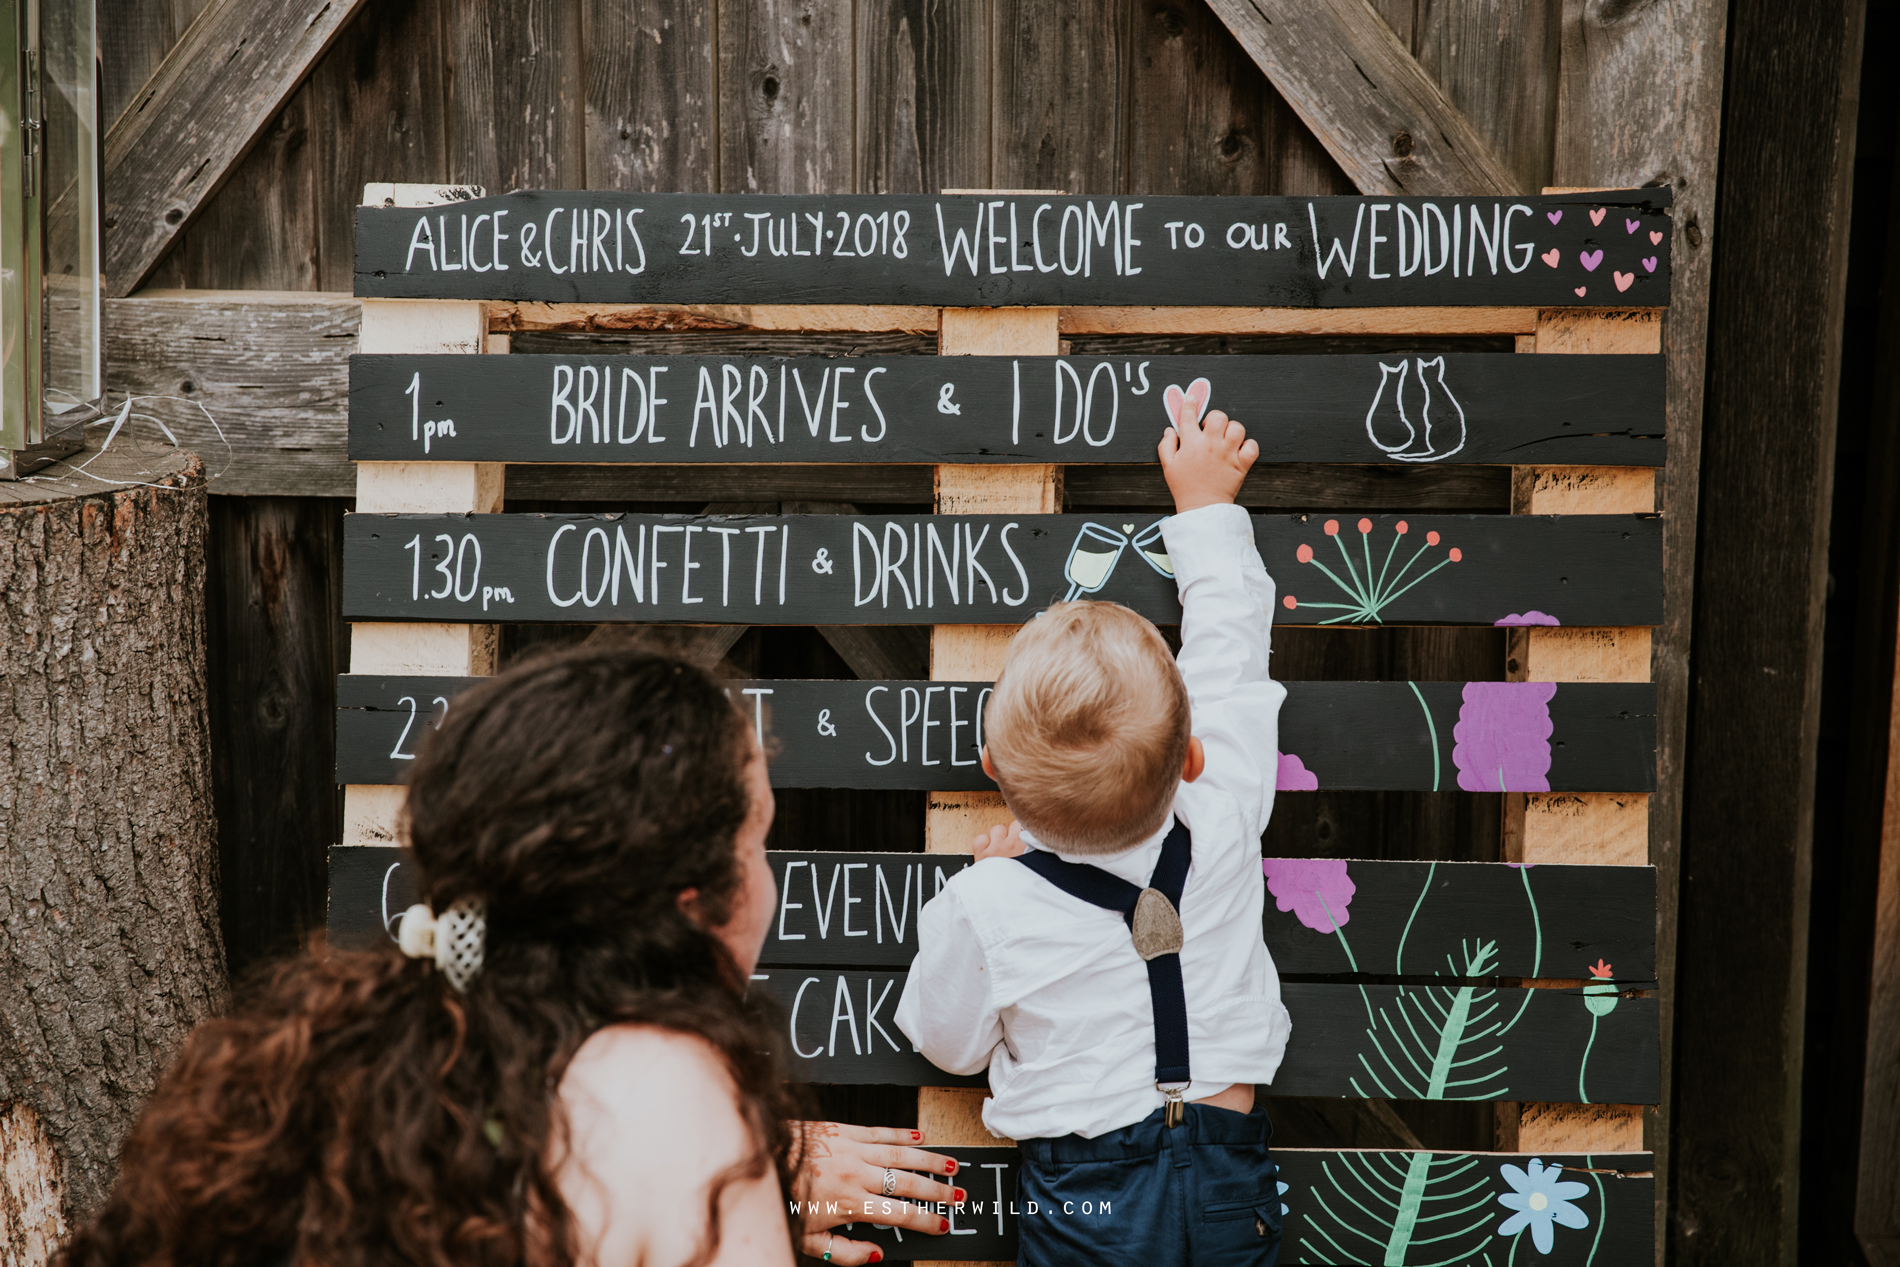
[355, 1109]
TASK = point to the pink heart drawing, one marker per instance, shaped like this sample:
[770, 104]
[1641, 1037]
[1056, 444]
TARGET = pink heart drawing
[1655, 237]
[1553, 216]
[1590, 260]
[1551, 256]
[1630, 226]
[1596, 217]
[1649, 264]
[1580, 291]
[1622, 280]
[1196, 397]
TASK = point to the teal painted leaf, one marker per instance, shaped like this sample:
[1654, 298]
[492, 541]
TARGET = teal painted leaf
[1418, 1209]
[1437, 1042]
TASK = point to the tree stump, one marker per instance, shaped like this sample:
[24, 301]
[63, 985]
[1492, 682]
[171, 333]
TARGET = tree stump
[109, 943]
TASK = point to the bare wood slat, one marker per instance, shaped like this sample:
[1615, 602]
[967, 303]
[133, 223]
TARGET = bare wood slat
[371, 814]
[1155, 320]
[1497, 62]
[786, 120]
[651, 117]
[186, 130]
[1233, 134]
[272, 367]
[407, 96]
[513, 95]
[1057, 85]
[1358, 88]
[510, 315]
[926, 69]
[1612, 61]
[955, 1115]
[1580, 827]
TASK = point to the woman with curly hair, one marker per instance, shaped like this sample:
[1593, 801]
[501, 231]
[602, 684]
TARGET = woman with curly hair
[557, 1065]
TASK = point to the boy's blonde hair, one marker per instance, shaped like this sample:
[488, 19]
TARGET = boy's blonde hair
[1088, 727]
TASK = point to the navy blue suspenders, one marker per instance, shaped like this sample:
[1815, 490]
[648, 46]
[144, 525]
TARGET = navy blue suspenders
[1165, 991]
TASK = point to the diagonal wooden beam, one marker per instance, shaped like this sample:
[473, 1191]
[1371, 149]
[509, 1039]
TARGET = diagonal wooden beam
[198, 115]
[1361, 92]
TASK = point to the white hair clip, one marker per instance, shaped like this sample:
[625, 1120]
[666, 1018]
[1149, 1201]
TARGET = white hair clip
[454, 940]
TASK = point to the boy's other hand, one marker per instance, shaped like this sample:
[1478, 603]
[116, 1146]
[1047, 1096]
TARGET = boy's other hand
[1204, 462]
[999, 842]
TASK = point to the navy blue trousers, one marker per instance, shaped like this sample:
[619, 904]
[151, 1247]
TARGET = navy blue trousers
[1204, 1193]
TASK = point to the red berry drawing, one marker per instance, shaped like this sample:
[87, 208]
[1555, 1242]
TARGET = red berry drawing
[1376, 588]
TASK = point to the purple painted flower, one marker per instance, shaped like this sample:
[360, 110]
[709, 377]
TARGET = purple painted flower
[1318, 890]
[1294, 776]
[1503, 737]
[1528, 618]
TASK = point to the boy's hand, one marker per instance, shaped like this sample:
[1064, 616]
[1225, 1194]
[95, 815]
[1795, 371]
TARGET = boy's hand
[1000, 842]
[1205, 462]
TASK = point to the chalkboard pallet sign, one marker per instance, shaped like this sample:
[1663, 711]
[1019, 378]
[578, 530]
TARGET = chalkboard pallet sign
[834, 966]
[1327, 918]
[838, 952]
[926, 736]
[1573, 576]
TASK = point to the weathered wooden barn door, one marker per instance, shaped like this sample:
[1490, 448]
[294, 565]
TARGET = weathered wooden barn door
[1088, 96]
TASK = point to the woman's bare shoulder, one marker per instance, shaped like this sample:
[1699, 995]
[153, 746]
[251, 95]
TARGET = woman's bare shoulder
[653, 1121]
[644, 1079]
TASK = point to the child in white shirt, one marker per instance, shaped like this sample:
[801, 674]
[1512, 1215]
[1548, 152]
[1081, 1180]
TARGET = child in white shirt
[1052, 969]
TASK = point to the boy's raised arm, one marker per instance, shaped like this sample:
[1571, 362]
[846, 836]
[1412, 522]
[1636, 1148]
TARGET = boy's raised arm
[1227, 607]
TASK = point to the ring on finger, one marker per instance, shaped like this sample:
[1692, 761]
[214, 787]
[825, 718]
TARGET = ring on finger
[890, 1182]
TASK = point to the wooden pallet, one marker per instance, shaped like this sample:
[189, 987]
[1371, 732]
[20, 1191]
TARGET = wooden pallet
[1581, 845]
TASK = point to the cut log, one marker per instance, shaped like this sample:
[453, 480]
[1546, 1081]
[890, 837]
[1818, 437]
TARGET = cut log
[110, 949]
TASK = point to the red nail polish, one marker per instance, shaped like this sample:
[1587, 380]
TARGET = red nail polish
[943, 1225]
[916, 1137]
[951, 1168]
[877, 1255]
[959, 1197]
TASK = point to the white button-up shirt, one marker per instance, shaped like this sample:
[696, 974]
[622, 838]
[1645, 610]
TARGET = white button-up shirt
[1046, 990]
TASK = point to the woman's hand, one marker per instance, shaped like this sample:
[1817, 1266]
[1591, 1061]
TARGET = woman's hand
[999, 842]
[842, 1181]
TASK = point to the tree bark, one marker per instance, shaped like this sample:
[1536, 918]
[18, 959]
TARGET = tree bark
[109, 942]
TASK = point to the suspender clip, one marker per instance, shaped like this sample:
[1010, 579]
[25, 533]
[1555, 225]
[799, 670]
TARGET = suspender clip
[1176, 1108]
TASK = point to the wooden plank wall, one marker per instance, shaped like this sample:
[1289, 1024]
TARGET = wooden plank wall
[1085, 95]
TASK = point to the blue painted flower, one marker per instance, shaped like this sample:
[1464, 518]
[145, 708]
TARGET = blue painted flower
[1285, 1209]
[1540, 1201]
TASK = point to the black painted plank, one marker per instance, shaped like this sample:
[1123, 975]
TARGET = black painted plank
[1577, 410]
[1293, 486]
[1449, 1042]
[370, 887]
[859, 911]
[925, 736]
[1349, 1207]
[1605, 250]
[1569, 922]
[381, 721]
[856, 569]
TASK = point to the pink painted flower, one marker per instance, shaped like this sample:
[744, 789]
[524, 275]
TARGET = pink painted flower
[1293, 774]
[1317, 890]
[1503, 737]
[1527, 618]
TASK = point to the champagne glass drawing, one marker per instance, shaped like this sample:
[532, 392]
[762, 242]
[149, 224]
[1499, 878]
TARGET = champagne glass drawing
[1154, 549]
[1092, 559]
